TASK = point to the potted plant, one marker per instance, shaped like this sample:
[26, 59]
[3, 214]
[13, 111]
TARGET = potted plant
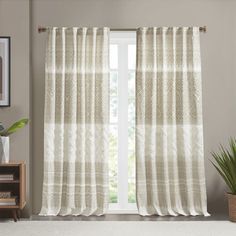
[4, 138]
[225, 164]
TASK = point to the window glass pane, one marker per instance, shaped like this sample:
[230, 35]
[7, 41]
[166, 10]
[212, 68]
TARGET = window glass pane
[112, 164]
[113, 56]
[113, 83]
[113, 138]
[131, 56]
[113, 168]
[131, 164]
[113, 190]
[131, 123]
[131, 84]
[113, 109]
[131, 138]
[131, 191]
[131, 111]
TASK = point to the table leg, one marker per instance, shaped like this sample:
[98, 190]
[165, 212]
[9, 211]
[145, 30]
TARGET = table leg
[14, 215]
[18, 214]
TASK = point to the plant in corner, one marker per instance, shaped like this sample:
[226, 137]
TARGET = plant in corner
[225, 164]
[4, 138]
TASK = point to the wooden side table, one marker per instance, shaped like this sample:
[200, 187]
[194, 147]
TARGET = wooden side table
[17, 186]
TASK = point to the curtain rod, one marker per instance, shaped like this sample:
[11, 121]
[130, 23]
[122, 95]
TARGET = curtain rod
[44, 29]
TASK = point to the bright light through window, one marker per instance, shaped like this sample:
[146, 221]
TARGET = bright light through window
[122, 121]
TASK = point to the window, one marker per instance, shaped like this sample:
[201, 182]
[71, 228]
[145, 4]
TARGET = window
[122, 121]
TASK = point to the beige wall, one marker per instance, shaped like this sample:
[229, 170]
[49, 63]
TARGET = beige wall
[218, 69]
[14, 22]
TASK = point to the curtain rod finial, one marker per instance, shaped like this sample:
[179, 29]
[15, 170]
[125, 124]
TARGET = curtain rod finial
[203, 29]
[41, 29]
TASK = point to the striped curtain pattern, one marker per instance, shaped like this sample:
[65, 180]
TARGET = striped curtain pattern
[169, 133]
[76, 122]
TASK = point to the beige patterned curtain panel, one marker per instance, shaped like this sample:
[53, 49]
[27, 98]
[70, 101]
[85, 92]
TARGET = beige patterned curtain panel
[76, 122]
[169, 133]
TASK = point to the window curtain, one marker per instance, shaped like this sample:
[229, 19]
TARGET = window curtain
[76, 122]
[169, 133]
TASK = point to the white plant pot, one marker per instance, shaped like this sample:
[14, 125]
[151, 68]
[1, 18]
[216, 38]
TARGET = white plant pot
[4, 149]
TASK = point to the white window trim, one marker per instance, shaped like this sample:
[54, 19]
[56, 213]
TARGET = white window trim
[122, 39]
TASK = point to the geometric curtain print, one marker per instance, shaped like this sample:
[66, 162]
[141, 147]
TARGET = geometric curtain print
[76, 122]
[169, 133]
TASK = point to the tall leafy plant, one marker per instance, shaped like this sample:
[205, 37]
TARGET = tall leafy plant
[13, 128]
[225, 164]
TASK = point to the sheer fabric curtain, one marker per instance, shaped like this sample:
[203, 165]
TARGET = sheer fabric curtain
[169, 133]
[76, 122]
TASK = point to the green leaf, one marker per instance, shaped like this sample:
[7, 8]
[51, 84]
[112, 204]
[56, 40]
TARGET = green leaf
[229, 184]
[225, 164]
[16, 126]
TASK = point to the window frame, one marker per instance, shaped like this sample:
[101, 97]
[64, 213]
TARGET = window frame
[122, 39]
